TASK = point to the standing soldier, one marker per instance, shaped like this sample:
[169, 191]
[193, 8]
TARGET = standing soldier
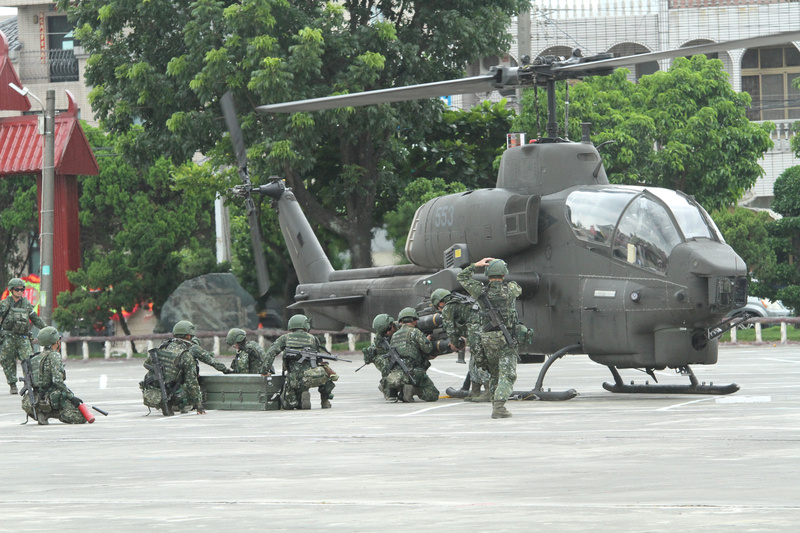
[52, 397]
[300, 375]
[459, 320]
[16, 313]
[384, 327]
[413, 347]
[499, 314]
[249, 355]
[185, 330]
[178, 370]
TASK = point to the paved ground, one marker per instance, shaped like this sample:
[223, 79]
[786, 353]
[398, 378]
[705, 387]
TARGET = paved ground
[598, 462]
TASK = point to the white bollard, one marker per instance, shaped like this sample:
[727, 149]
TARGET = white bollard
[85, 350]
[351, 342]
[128, 349]
[733, 333]
[63, 351]
[262, 341]
[328, 342]
[758, 331]
[216, 346]
[107, 350]
[149, 344]
[784, 334]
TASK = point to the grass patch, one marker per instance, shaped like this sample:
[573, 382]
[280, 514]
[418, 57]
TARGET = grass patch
[772, 334]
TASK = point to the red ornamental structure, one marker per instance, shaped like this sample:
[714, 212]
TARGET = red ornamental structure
[21, 149]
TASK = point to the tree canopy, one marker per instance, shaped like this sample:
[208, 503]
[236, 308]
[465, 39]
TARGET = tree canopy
[167, 63]
[682, 129]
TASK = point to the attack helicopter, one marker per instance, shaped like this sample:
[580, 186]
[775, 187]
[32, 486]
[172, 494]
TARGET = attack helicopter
[634, 277]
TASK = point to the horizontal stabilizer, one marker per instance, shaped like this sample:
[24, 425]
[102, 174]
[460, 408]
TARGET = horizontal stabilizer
[328, 302]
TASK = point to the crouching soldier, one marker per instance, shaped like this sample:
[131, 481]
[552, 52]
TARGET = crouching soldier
[249, 355]
[302, 368]
[377, 353]
[45, 373]
[171, 381]
[413, 348]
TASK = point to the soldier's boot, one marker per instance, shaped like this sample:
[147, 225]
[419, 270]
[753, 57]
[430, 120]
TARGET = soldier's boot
[186, 409]
[13, 387]
[484, 396]
[305, 400]
[408, 393]
[499, 410]
[41, 418]
[474, 393]
[326, 403]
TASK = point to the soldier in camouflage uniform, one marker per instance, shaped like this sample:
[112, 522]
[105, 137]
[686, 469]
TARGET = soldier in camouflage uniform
[16, 313]
[52, 396]
[249, 355]
[384, 327]
[300, 376]
[186, 330]
[460, 320]
[180, 374]
[502, 357]
[413, 347]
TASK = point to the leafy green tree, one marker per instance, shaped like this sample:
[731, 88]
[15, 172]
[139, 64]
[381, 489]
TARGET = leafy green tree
[18, 220]
[141, 238]
[168, 62]
[783, 281]
[747, 232]
[683, 129]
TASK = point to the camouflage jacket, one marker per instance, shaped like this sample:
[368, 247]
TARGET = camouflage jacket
[412, 345]
[22, 307]
[249, 359]
[179, 370]
[503, 296]
[456, 315]
[48, 373]
[296, 339]
[206, 357]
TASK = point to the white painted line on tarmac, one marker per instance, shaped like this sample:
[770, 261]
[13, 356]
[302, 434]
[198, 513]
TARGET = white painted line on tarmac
[432, 408]
[745, 399]
[682, 404]
[433, 369]
[103, 381]
[780, 360]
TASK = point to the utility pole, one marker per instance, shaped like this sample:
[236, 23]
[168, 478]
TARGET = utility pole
[47, 217]
[47, 128]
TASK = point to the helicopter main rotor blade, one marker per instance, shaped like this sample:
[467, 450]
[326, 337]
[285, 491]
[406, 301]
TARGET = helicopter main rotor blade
[237, 139]
[475, 84]
[709, 48]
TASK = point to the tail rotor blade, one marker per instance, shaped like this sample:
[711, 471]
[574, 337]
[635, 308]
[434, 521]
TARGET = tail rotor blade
[258, 252]
[235, 131]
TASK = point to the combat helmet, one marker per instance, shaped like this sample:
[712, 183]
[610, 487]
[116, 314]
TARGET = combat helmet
[48, 336]
[496, 268]
[438, 295]
[408, 314]
[235, 336]
[299, 322]
[15, 283]
[382, 323]
[184, 327]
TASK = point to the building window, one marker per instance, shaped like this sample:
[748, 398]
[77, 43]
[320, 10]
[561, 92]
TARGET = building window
[60, 45]
[767, 76]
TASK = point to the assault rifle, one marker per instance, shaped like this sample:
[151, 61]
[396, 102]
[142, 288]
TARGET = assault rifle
[27, 379]
[309, 354]
[496, 320]
[158, 371]
[394, 359]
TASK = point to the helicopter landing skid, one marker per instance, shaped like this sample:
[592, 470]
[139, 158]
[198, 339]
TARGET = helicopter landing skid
[538, 393]
[693, 388]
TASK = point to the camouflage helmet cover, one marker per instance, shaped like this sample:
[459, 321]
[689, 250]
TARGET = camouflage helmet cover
[496, 268]
[235, 335]
[299, 322]
[438, 295]
[382, 323]
[406, 313]
[16, 282]
[184, 327]
[48, 336]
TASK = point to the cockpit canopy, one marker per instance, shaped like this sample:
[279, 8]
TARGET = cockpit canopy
[640, 225]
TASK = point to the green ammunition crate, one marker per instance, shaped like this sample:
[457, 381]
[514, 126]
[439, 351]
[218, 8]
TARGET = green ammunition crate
[241, 392]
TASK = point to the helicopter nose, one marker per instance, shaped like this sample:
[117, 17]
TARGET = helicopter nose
[713, 259]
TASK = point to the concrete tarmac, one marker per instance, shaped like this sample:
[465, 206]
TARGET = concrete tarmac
[599, 462]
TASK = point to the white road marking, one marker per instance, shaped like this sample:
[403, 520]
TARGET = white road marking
[103, 381]
[432, 408]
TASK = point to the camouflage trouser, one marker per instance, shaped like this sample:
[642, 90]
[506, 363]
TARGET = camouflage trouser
[478, 364]
[396, 379]
[65, 412]
[299, 379]
[152, 398]
[502, 364]
[14, 347]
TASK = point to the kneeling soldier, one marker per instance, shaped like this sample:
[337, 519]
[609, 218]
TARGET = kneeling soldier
[249, 355]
